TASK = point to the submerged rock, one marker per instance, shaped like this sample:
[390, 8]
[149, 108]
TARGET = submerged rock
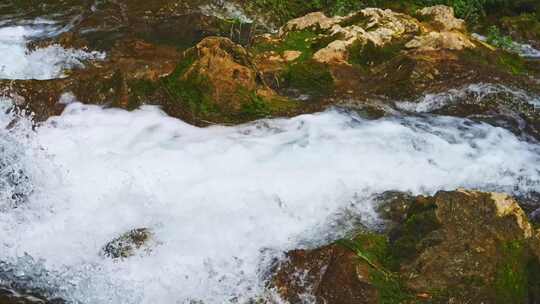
[130, 243]
[455, 247]
[10, 296]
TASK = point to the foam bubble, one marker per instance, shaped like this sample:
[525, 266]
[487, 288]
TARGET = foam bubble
[17, 62]
[476, 92]
[223, 202]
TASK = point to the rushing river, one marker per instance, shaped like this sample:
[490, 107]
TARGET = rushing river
[224, 202]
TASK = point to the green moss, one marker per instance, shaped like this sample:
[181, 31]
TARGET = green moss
[374, 249]
[512, 63]
[304, 41]
[497, 39]
[255, 106]
[192, 89]
[533, 278]
[309, 77]
[369, 54]
[140, 91]
[408, 238]
[511, 283]
[502, 60]
[391, 289]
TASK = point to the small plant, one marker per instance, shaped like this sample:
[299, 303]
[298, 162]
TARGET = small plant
[373, 249]
[497, 39]
[309, 77]
[256, 106]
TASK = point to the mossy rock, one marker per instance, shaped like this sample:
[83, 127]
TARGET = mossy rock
[466, 245]
[368, 54]
[308, 77]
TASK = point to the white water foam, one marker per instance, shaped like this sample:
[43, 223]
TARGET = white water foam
[522, 49]
[478, 91]
[226, 10]
[17, 62]
[224, 201]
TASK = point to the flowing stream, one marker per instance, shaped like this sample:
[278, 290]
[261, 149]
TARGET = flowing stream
[223, 202]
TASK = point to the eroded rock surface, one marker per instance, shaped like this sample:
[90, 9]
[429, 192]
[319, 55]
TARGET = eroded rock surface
[454, 247]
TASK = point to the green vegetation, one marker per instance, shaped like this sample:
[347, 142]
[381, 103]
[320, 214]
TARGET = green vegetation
[302, 41]
[499, 40]
[255, 106]
[471, 10]
[141, 90]
[193, 90]
[512, 63]
[533, 278]
[374, 250]
[303, 74]
[370, 54]
[503, 60]
[422, 221]
[309, 77]
[512, 281]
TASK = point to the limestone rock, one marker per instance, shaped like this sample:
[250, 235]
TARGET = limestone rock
[434, 41]
[317, 20]
[374, 25]
[383, 26]
[442, 18]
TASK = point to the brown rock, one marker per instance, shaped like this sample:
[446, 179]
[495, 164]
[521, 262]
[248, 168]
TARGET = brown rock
[229, 69]
[331, 274]
[434, 41]
[459, 242]
[442, 18]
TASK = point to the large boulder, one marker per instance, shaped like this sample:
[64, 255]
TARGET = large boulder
[454, 247]
[373, 25]
[229, 70]
[469, 245]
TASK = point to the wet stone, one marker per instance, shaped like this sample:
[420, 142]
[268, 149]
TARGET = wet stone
[129, 244]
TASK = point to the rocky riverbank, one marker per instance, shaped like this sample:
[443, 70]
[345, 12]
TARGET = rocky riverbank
[232, 62]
